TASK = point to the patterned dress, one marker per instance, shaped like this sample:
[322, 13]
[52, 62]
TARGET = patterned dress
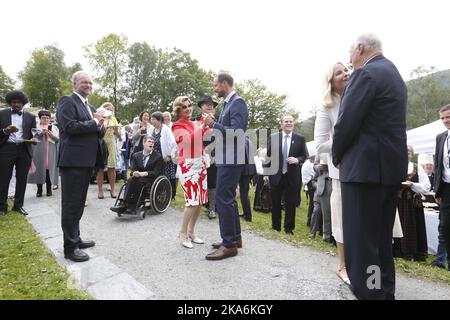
[192, 174]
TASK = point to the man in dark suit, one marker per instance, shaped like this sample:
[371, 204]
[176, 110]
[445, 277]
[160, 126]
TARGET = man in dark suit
[442, 180]
[146, 166]
[369, 146]
[81, 131]
[16, 138]
[286, 152]
[247, 174]
[229, 132]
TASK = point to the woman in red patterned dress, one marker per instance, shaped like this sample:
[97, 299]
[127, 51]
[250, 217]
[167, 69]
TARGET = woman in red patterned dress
[192, 167]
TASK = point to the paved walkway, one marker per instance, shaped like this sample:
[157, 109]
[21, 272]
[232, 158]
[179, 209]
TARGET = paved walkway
[141, 259]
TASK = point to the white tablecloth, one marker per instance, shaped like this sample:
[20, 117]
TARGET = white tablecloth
[432, 223]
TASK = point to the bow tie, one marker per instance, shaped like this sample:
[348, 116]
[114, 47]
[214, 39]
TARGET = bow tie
[17, 112]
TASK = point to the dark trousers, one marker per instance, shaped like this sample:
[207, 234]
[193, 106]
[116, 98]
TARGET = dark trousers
[74, 187]
[133, 190]
[48, 184]
[244, 188]
[445, 218]
[13, 154]
[290, 200]
[227, 182]
[368, 219]
[310, 194]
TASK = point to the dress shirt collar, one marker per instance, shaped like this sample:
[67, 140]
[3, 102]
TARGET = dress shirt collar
[287, 134]
[84, 100]
[227, 99]
[370, 59]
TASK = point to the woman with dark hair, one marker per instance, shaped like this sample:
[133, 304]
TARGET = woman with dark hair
[45, 156]
[140, 130]
[192, 167]
[164, 144]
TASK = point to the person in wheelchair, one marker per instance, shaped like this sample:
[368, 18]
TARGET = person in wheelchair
[146, 166]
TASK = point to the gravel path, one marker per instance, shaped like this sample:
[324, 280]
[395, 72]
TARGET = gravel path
[149, 251]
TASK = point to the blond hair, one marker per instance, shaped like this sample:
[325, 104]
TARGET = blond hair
[330, 97]
[178, 104]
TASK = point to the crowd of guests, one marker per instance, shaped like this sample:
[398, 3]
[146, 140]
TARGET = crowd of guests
[365, 193]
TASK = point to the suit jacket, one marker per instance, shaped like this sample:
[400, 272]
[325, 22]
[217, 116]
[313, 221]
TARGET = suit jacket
[296, 150]
[369, 139]
[439, 163]
[233, 117]
[28, 122]
[249, 167]
[80, 138]
[154, 166]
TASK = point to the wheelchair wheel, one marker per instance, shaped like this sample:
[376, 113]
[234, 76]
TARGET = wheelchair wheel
[161, 194]
[141, 213]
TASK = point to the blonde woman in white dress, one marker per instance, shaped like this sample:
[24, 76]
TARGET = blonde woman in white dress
[335, 80]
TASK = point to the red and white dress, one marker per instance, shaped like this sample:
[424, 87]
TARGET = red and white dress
[192, 166]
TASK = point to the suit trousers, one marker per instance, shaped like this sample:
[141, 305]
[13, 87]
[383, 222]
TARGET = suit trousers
[290, 198]
[133, 190]
[325, 206]
[368, 219]
[244, 188]
[74, 187]
[13, 154]
[444, 215]
[227, 182]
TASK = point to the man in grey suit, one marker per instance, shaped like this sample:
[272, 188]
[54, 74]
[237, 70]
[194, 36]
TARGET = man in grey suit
[81, 131]
[369, 148]
[323, 193]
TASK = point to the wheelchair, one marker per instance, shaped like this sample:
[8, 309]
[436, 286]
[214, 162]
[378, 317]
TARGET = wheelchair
[153, 199]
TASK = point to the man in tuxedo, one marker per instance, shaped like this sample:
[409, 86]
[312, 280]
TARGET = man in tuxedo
[229, 132]
[81, 130]
[286, 152]
[146, 166]
[442, 182]
[369, 147]
[16, 138]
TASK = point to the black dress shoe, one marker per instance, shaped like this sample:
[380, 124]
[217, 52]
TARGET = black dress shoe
[38, 195]
[119, 209]
[77, 255]
[49, 194]
[289, 232]
[86, 244]
[20, 210]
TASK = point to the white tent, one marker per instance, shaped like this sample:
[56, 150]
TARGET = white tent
[423, 139]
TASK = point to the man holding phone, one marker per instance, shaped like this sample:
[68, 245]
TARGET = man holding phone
[15, 149]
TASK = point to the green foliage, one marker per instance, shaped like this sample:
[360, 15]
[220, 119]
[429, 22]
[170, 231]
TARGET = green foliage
[265, 108]
[27, 270]
[45, 77]
[108, 58]
[427, 93]
[6, 85]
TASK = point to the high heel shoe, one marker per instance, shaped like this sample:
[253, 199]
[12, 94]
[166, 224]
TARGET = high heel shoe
[344, 278]
[185, 241]
[101, 196]
[195, 239]
[111, 194]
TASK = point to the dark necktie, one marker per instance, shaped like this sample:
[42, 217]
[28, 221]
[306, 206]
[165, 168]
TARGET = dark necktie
[17, 112]
[144, 159]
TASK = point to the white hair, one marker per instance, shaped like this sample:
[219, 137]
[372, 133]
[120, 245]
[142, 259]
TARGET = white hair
[370, 41]
[78, 74]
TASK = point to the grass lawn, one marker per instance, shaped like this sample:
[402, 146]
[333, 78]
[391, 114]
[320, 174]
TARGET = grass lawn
[262, 225]
[28, 271]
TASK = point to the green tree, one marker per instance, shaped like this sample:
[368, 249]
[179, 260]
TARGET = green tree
[426, 95]
[265, 108]
[108, 57]
[44, 77]
[6, 85]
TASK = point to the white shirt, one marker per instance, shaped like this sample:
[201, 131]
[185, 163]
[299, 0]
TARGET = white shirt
[289, 139]
[146, 159]
[307, 172]
[445, 160]
[16, 121]
[259, 165]
[423, 186]
[227, 99]
[85, 102]
[371, 59]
